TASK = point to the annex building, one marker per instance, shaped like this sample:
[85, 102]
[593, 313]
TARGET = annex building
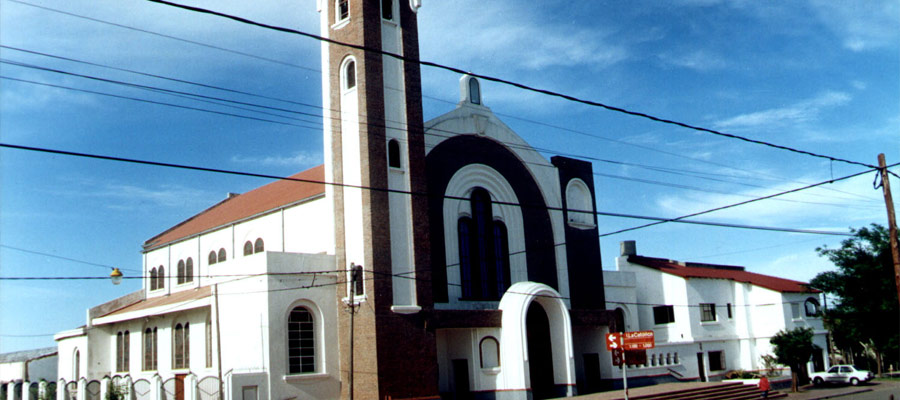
[471, 262]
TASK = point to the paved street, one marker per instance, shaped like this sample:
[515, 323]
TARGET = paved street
[876, 390]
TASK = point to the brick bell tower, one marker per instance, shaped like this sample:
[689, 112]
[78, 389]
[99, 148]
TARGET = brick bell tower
[374, 140]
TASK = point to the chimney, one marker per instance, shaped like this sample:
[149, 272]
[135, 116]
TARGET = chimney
[628, 248]
[231, 195]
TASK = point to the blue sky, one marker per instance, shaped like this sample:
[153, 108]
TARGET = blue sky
[821, 76]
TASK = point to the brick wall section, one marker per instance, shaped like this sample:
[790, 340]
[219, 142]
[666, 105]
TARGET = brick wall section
[394, 355]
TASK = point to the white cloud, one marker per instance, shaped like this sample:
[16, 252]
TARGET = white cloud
[300, 159]
[861, 25]
[698, 60]
[504, 36]
[801, 112]
[128, 196]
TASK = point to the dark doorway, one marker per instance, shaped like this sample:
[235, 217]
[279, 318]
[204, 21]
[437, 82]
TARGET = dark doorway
[591, 373]
[818, 360]
[461, 379]
[701, 367]
[540, 353]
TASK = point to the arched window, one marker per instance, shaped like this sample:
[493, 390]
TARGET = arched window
[189, 270]
[76, 365]
[258, 246]
[490, 352]
[474, 91]
[212, 257]
[342, 10]
[387, 9]
[301, 341]
[579, 207]
[483, 251]
[161, 277]
[248, 248]
[620, 320]
[122, 346]
[180, 275]
[150, 349]
[393, 153]
[222, 255]
[153, 282]
[350, 75]
[812, 307]
[182, 346]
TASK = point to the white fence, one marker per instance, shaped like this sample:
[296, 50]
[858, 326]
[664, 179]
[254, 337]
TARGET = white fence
[116, 388]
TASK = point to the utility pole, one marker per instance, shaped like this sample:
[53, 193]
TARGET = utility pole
[352, 303]
[892, 220]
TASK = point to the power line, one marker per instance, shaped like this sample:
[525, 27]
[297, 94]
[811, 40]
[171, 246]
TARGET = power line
[194, 96]
[677, 219]
[503, 81]
[154, 102]
[65, 258]
[267, 176]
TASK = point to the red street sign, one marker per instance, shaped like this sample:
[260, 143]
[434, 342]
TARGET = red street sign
[640, 340]
[617, 357]
[613, 341]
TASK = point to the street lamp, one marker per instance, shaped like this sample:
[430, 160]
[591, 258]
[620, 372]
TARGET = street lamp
[115, 276]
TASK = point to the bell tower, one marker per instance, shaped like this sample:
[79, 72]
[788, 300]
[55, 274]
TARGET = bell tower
[374, 152]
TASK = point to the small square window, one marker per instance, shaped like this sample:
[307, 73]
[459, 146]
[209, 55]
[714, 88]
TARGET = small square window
[795, 311]
[717, 361]
[663, 314]
[343, 10]
[707, 312]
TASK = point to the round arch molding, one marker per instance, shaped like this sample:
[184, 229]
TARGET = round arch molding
[514, 337]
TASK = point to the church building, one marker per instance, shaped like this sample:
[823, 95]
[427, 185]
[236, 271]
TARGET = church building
[424, 259]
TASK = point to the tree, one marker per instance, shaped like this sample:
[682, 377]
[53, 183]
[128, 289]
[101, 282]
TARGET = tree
[866, 315]
[794, 349]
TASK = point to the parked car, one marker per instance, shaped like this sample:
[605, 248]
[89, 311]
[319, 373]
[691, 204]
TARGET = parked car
[842, 374]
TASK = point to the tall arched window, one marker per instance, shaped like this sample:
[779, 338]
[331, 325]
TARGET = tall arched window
[180, 275]
[620, 320]
[161, 278]
[76, 365]
[189, 270]
[212, 258]
[393, 153]
[342, 10]
[222, 255]
[474, 91]
[122, 346]
[301, 341]
[182, 346]
[350, 75]
[150, 349]
[248, 248]
[483, 251]
[153, 281]
[258, 246]
[812, 307]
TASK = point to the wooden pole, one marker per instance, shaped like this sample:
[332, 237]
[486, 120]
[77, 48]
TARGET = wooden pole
[892, 220]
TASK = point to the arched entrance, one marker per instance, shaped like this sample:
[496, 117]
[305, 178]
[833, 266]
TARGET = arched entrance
[540, 354]
[536, 342]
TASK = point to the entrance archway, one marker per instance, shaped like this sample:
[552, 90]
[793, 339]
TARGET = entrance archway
[536, 341]
[540, 354]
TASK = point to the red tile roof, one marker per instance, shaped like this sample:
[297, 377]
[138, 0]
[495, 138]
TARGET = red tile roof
[269, 197]
[730, 272]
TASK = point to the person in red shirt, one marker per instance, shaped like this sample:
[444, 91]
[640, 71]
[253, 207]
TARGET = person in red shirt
[764, 386]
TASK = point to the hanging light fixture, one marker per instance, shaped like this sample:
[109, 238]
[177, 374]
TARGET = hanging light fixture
[116, 276]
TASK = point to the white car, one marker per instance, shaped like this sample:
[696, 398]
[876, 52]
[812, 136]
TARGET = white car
[842, 374]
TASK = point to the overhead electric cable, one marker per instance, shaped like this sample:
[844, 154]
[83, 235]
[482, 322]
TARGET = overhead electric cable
[679, 219]
[65, 258]
[503, 81]
[155, 102]
[267, 176]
